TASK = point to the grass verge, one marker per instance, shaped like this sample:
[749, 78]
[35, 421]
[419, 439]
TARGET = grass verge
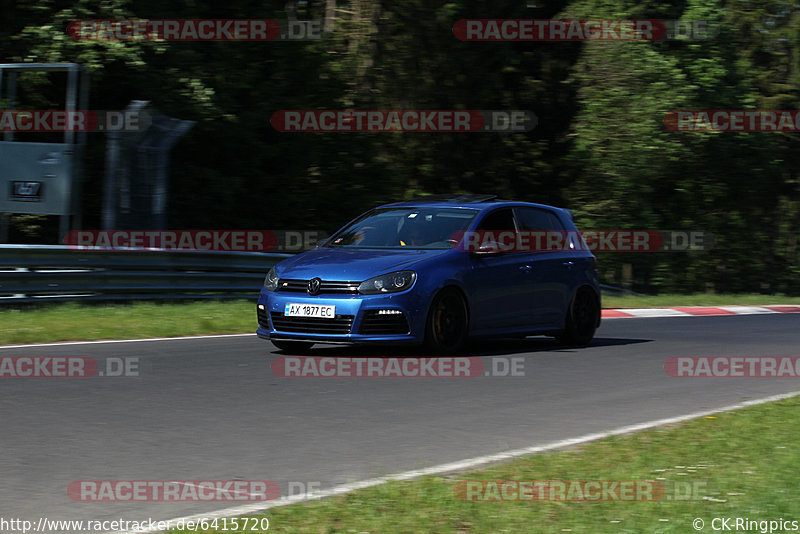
[77, 322]
[736, 464]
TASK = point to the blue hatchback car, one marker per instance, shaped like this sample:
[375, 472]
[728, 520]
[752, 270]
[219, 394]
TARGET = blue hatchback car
[437, 271]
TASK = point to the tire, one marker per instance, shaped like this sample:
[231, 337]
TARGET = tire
[447, 326]
[294, 347]
[581, 320]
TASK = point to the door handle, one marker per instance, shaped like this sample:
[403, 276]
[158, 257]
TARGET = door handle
[569, 264]
[525, 268]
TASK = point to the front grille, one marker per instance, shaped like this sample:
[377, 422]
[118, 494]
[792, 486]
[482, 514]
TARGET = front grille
[340, 324]
[383, 324]
[325, 286]
[262, 318]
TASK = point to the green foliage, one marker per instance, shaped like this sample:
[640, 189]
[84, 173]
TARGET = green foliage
[600, 147]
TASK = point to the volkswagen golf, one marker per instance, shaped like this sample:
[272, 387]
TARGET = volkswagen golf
[437, 271]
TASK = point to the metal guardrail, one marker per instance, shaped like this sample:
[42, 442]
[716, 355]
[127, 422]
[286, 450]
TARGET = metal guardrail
[37, 273]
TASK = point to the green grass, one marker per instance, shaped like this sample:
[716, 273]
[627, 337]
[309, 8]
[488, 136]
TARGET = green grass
[697, 299]
[745, 463]
[75, 322]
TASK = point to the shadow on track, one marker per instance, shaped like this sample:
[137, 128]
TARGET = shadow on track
[482, 347]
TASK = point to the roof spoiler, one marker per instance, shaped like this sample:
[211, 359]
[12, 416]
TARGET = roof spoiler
[458, 198]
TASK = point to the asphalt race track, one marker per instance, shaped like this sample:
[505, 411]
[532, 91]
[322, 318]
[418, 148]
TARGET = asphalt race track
[211, 409]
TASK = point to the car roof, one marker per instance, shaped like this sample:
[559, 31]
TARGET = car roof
[480, 202]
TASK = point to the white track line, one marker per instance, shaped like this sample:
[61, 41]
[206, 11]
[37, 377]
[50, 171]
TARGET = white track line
[62, 343]
[462, 465]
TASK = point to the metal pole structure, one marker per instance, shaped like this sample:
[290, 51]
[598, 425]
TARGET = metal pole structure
[77, 163]
[69, 138]
[12, 97]
[71, 96]
[3, 216]
[8, 136]
[110, 193]
[178, 130]
[4, 227]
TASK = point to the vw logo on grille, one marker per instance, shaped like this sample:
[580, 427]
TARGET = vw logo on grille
[313, 286]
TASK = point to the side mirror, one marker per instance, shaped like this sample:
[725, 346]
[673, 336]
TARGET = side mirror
[315, 243]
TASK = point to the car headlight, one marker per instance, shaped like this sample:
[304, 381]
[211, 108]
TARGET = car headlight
[388, 283]
[271, 281]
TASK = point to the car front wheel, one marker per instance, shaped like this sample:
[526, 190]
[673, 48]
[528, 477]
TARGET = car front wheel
[448, 322]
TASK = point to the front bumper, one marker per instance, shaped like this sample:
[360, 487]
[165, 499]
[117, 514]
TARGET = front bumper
[355, 320]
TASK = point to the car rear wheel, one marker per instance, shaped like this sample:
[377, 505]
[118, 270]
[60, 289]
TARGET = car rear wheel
[581, 321]
[295, 347]
[448, 322]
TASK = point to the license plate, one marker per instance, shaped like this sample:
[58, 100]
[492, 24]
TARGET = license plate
[27, 191]
[309, 310]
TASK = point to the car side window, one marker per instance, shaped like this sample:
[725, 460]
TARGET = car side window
[498, 221]
[542, 220]
[538, 219]
[496, 229]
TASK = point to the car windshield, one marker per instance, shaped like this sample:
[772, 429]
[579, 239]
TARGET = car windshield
[405, 228]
